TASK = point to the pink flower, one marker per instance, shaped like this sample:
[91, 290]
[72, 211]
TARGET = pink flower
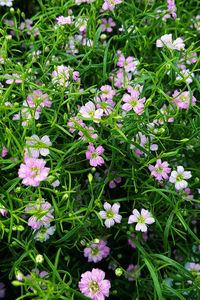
[38, 99]
[111, 214]
[4, 151]
[172, 8]
[61, 20]
[141, 219]
[132, 101]
[89, 111]
[107, 24]
[110, 4]
[129, 64]
[160, 170]
[184, 99]
[107, 92]
[93, 285]
[94, 155]
[33, 171]
[97, 251]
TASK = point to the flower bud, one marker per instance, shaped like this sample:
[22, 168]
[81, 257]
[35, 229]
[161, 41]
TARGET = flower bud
[90, 178]
[39, 259]
[118, 271]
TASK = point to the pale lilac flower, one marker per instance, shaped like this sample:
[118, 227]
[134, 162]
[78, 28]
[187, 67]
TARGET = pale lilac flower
[132, 272]
[107, 93]
[27, 114]
[55, 183]
[63, 75]
[110, 4]
[93, 285]
[90, 131]
[197, 23]
[191, 58]
[178, 178]
[37, 146]
[61, 20]
[70, 46]
[129, 64]
[33, 171]
[105, 105]
[110, 214]
[72, 124]
[172, 8]
[97, 251]
[184, 99]
[2, 290]
[160, 170]
[186, 194]
[135, 237]
[94, 155]
[3, 210]
[42, 214]
[19, 276]
[185, 75]
[133, 102]
[26, 25]
[113, 183]
[30, 278]
[194, 268]
[4, 151]
[141, 219]
[78, 2]
[13, 78]
[89, 111]
[38, 99]
[166, 40]
[107, 24]
[121, 79]
[144, 142]
[81, 24]
[44, 233]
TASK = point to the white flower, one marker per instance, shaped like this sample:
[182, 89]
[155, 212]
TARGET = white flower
[110, 214]
[185, 75]
[166, 40]
[6, 3]
[44, 233]
[141, 219]
[37, 146]
[178, 178]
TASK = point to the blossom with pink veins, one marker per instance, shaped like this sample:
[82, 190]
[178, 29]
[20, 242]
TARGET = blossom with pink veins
[94, 155]
[133, 102]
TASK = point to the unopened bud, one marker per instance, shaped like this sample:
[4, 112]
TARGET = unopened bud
[39, 259]
[118, 271]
